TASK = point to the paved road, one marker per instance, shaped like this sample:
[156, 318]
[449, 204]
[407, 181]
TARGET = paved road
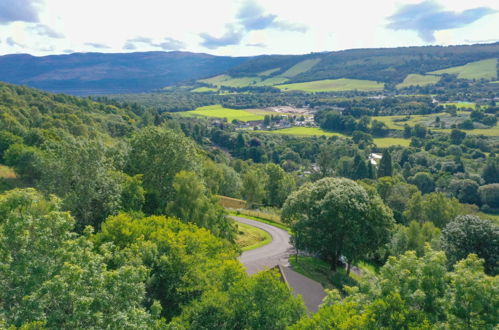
[270, 255]
[277, 253]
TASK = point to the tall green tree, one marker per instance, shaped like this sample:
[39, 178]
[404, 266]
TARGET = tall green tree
[253, 189]
[470, 234]
[158, 154]
[85, 177]
[385, 165]
[279, 185]
[193, 203]
[337, 217]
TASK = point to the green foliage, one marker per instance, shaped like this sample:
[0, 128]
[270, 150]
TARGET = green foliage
[261, 302]
[336, 217]
[433, 207]
[385, 166]
[489, 195]
[6, 140]
[414, 238]
[253, 189]
[413, 292]
[51, 277]
[279, 185]
[25, 161]
[424, 181]
[192, 203]
[155, 153]
[85, 177]
[470, 234]
[184, 260]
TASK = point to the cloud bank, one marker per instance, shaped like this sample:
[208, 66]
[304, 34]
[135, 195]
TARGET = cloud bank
[167, 44]
[428, 17]
[250, 17]
[18, 10]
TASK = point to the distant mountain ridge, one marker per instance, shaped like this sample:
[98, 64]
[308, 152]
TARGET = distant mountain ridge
[107, 73]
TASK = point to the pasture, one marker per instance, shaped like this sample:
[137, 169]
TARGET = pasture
[268, 72]
[418, 80]
[204, 89]
[333, 85]
[388, 142]
[485, 69]
[300, 67]
[218, 111]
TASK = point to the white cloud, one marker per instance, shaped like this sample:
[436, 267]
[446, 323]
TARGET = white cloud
[293, 27]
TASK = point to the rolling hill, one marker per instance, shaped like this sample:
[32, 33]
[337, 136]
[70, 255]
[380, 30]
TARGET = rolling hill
[99, 73]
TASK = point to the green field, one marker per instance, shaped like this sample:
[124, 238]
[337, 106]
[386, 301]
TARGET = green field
[388, 142]
[302, 131]
[249, 237]
[228, 81]
[418, 80]
[334, 85]
[394, 122]
[461, 105]
[217, 111]
[268, 72]
[485, 69]
[204, 89]
[300, 67]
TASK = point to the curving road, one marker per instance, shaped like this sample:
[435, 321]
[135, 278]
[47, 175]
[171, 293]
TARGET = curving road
[275, 253]
[270, 255]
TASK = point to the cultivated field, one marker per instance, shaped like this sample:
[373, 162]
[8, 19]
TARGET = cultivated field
[485, 69]
[418, 80]
[333, 85]
[217, 111]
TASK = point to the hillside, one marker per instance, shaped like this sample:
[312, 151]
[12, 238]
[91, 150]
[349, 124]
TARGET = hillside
[99, 73]
[389, 65]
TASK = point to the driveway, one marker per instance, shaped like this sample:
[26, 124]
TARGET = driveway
[277, 253]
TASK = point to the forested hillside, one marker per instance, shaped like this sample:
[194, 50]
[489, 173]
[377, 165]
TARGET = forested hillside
[390, 65]
[101, 73]
[110, 215]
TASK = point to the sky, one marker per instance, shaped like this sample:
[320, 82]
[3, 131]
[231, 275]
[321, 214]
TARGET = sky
[240, 27]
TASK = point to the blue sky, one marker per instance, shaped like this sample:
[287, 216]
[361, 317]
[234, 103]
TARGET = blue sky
[240, 27]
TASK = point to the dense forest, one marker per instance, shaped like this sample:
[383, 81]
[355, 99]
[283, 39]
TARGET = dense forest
[110, 216]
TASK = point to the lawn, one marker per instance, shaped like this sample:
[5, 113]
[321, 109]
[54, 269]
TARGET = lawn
[218, 111]
[333, 85]
[485, 69]
[302, 131]
[418, 80]
[388, 142]
[249, 237]
[300, 67]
